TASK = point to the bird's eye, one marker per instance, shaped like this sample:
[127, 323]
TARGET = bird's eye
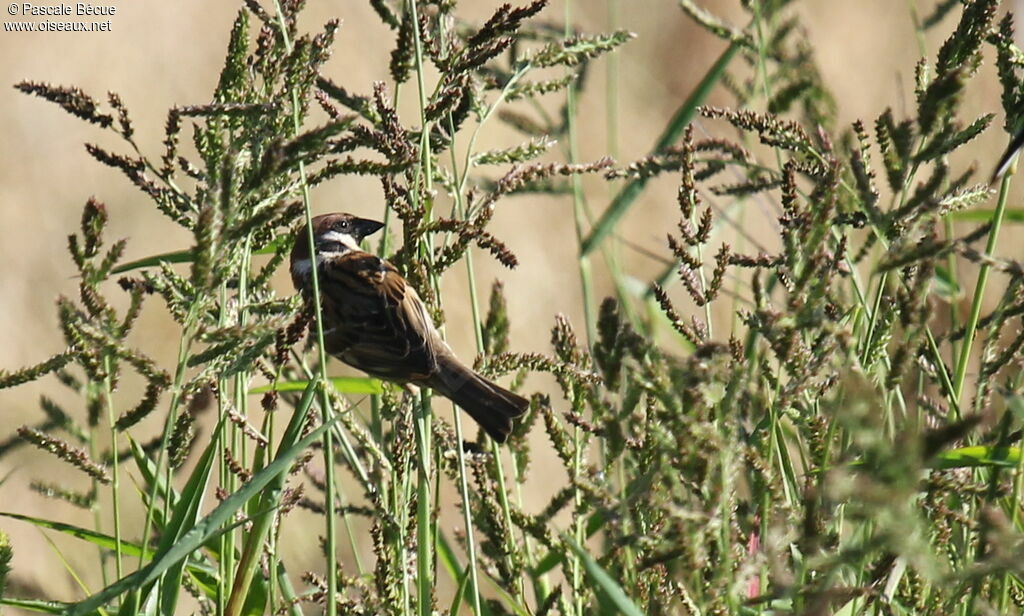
[343, 224]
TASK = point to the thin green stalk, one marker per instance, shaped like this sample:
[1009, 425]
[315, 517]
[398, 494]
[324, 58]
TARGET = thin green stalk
[354, 465]
[424, 526]
[325, 403]
[495, 449]
[267, 501]
[97, 513]
[226, 542]
[274, 560]
[614, 258]
[583, 261]
[467, 514]
[762, 66]
[184, 347]
[424, 523]
[970, 330]
[513, 80]
[115, 472]
[613, 253]
[241, 404]
[954, 306]
[612, 86]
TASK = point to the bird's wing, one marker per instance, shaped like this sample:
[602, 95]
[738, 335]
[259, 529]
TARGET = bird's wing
[375, 320]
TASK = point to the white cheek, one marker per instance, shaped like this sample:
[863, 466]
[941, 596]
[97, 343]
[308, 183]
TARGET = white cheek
[303, 267]
[343, 238]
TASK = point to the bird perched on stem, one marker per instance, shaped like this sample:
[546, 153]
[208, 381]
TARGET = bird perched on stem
[375, 321]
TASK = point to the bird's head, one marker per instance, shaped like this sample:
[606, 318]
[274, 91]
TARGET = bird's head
[333, 235]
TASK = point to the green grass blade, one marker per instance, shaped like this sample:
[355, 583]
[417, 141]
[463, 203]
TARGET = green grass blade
[977, 455]
[284, 583]
[205, 579]
[1011, 214]
[554, 558]
[35, 605]
[199, 571]
[682, 117]
[201, 532]
[269, 497]
[147, 468]
[177, 256]
[342, 384]
[463, 579]
[184, 516]
[610, 594]
[510, 601]
[186, 256]
[447, 557]
[93, 537]
[449, 561]
[945, 285]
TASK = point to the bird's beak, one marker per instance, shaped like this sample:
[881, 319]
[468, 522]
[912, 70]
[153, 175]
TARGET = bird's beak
[366, 227]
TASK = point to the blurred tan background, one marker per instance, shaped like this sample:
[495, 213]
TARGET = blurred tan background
[161, 54]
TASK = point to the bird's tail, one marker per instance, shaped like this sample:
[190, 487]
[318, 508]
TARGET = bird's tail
[490, 405]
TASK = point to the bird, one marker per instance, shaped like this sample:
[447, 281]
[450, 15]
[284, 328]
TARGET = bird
[375, 321]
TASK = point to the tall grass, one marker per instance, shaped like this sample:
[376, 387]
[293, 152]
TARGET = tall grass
[848, 442]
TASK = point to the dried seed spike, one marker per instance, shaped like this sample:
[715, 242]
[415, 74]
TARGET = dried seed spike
[72, 455]
[385, 12]
[71, 99]
[404, 51]
[666, 305]
[578, 49]
[325, 104]
[520, 175]
[239, 420]
[32, 373]
[495, 331]
[94, 219]
[687, 195]
[722, 259]
[504, 21]
[145, 406]
[124, 122]
[771, 130]
[688, 276]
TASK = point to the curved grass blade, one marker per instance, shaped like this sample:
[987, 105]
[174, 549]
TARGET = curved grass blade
[147, 468]
[682, 117]
[978, 455]
[93, 537]
[342, 384]
[610, 594]
[178, 256]
[284, 583]
[200, 572]
[1010, 214]
[463, 580]
[265, 501]
[186, 256]
[204, 530]
[35, 605]
[945, 285]
[183, 517]
[461, 576]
